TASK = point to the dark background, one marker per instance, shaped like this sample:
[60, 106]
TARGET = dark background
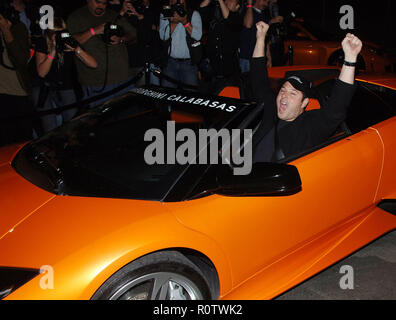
[374, 20]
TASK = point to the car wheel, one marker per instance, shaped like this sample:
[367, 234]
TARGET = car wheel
[166, 275]
[337, 59]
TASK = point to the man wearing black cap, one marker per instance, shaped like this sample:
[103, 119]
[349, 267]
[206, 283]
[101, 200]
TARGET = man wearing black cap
[286, 128]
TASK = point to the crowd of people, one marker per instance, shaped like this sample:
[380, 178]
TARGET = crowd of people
[104, 44]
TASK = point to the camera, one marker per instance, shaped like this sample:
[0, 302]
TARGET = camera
[179, 9]
[64, 37]
[169, 10]
[139, 6]
[8, 11]
[110, 30]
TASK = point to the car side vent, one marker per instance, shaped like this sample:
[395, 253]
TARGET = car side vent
[388, 205]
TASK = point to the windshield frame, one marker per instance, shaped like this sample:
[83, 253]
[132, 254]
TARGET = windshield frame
[158, 104]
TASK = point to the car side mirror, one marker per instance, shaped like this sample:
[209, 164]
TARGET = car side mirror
[265, 179]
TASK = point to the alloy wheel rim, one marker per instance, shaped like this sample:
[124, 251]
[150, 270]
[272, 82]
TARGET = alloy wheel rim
[158, 286]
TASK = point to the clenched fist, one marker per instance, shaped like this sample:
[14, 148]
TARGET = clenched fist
[262, 29]
[352, 46]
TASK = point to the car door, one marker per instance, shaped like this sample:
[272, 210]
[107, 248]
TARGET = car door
[382, 117]
[387, 188]
[339, 182]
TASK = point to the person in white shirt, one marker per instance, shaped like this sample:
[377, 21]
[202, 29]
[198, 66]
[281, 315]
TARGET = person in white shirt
[179, 65]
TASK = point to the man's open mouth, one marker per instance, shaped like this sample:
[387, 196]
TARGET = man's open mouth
[282, 107]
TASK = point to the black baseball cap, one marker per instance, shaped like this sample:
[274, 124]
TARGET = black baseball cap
[300, 84]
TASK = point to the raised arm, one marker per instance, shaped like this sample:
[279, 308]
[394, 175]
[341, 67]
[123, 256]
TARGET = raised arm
[259, 49]
[262, 91]
[258, 69]
[352, 46]
[334, 111]
[248, 19]
[225, 11]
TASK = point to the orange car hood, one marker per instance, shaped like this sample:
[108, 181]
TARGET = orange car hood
[37, 227]
[18, 197]
[8, 153]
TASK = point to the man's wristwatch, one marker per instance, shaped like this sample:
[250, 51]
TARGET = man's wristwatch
[350, 64]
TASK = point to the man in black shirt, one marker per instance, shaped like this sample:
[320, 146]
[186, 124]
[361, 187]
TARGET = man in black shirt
[89, 26]
[286, 128]
[146, 49]
[255, 11]
[14, 80]
[223, 24]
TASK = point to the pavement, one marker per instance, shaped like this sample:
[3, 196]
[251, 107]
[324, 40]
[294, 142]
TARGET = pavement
[372, 276]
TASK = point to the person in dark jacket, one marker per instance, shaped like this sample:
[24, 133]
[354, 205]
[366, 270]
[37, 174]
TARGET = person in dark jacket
[15, 105]
[255, 11]
[146, 49]
[223, 23]
[90, 26]
[55, 68]
[286, 128]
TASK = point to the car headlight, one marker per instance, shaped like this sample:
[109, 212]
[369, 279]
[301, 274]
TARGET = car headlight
[13, 278]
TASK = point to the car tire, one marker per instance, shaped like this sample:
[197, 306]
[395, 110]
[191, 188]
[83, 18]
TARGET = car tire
[337, 59]
[164, 275]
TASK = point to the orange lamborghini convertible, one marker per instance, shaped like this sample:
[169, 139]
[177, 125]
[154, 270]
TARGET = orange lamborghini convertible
[83, 216]
[310, 49]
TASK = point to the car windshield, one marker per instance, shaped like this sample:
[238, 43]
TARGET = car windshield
[101, 153]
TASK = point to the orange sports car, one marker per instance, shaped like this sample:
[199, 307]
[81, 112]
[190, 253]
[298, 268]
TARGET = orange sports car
[302, 47]
[84, 216]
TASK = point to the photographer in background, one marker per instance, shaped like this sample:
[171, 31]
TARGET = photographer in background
[55, 66]
[223, 24]
[14, 77]
[144, 18]
[103, 33]
[177, 27]
[254, 12]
